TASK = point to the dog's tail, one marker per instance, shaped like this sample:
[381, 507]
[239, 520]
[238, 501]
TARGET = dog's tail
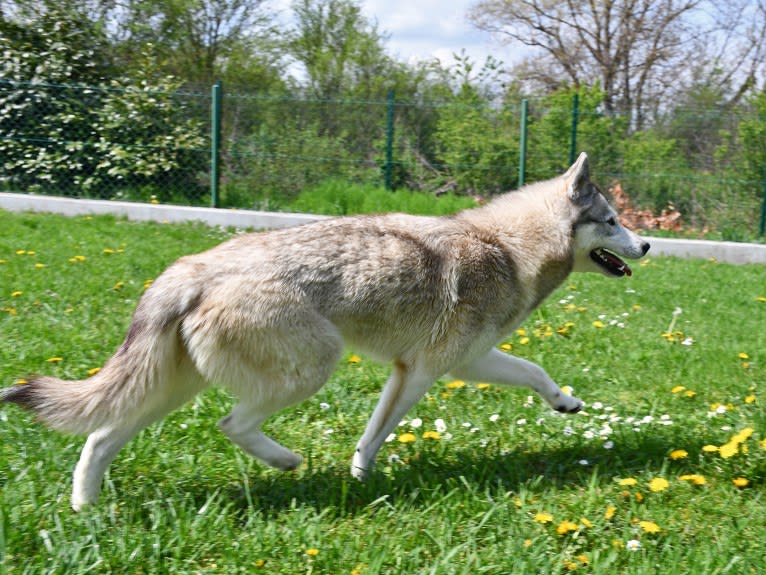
[146, 359]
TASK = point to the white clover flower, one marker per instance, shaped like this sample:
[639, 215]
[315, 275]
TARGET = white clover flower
[494, 417]
[440, 426]
[390, 438]
[416, 423]
[608, 444]
[633, 545]
[324, 406]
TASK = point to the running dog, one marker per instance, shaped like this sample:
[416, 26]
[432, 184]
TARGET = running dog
[267, 315]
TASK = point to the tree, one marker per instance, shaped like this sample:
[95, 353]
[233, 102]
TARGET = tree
[632, 48]
[199, 40]
[339, 50]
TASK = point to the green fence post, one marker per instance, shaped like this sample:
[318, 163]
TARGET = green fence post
[215, 143]
[389, 167]
[763, 206]
[523, 142]
[575, 119]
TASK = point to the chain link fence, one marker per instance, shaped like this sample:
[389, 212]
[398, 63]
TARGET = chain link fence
[147, 144]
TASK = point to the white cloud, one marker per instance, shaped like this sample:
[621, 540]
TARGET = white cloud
[427, 29]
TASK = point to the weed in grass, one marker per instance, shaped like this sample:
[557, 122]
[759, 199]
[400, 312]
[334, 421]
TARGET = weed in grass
[663, 470]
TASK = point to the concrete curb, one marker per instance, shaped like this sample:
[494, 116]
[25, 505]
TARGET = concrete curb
[153, 212]
[729, 252]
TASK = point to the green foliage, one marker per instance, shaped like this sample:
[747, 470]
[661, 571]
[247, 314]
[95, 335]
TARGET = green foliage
[338, 198]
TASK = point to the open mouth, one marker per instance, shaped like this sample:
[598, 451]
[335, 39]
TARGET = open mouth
[610, 262]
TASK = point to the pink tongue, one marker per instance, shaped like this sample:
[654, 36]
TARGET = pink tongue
[618, 263]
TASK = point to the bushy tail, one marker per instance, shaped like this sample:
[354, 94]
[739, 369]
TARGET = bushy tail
[145, 360]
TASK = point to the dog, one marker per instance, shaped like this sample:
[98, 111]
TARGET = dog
[267, 316]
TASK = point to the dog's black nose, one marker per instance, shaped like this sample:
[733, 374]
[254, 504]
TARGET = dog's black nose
[645, 247]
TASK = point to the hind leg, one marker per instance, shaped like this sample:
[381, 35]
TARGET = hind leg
[104, 443]
[243, 427]
[100, 449]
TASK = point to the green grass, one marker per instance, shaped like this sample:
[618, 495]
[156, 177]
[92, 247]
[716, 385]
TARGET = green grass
[181, 499]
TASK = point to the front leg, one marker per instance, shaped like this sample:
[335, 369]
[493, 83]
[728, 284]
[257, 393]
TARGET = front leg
[503, 369]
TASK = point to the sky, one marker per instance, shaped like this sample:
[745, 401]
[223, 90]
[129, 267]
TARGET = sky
[421, 30]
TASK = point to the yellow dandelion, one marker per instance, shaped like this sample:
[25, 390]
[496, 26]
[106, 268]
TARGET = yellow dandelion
[260, 563]
[527, 543]
[482, 386]
[610, 511]
[3, 262]
[750, 399]
[543, 517]
[690, 393]
[628, 482]
[118, 286]
[567, 390]
[506, 346]
[16, 293]
[313, 552]
[694, 478]
[354, 359]
[740, 482]
[649, 526]
[728, 450]
[406, 438]
[585, 522]
[639, 496]
[566, 526]
[636, 307]
[54, 359]
[521, 332]
[678, 454]
[22, 381]
[570, 565]
[148, 284]
[107, 251]
[456, 384]
[583, 559]
[658, 484]
[524, 340]
[93, 371]
[39, 266]
[431, 435]
[761, 299]
[677, 389]
[21, 252]
[743, 355]
[598, 324]
[710, 448]
[742, 435]
[763, 443]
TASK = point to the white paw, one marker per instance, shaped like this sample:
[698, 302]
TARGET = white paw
[359, 468]
[566, 403]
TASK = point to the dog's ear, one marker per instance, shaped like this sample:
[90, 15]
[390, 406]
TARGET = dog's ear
[577, 178]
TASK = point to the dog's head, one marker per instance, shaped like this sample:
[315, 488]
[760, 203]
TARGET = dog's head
[600, 240]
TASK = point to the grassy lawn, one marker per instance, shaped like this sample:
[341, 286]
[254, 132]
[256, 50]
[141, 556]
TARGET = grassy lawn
[664, 471]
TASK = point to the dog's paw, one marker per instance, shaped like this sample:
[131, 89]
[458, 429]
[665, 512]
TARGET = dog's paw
[360, 468]
[567, 404]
